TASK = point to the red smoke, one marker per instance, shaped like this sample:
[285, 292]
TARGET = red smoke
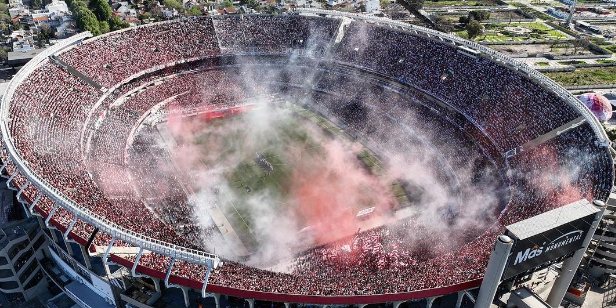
[329, 191]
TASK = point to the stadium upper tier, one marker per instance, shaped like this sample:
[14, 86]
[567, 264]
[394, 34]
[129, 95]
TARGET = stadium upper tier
[71, 124]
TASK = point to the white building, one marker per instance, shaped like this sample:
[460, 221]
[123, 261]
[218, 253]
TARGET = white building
[373, 6]
[57, 7]
[18, 10]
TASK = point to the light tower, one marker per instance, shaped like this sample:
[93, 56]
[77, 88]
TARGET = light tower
[571, 11]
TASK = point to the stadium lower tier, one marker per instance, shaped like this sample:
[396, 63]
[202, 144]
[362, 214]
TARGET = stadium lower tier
[322, 166]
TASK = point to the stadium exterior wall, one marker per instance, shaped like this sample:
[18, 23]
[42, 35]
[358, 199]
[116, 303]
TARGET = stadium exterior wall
[312, 299]
[275, 297]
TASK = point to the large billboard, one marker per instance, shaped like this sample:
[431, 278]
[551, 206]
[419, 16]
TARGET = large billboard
[548, 236]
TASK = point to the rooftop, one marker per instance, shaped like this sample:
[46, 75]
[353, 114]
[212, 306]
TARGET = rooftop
[551, 219]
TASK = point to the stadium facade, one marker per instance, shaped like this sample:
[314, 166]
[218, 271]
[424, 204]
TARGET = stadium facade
[524, 122]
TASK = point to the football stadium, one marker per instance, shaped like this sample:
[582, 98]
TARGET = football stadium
[316, 157]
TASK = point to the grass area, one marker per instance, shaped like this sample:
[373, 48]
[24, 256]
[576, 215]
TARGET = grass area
[374, 166]
[248, 176]
[497, 33]
[606, 61]
[459, 3]
[542, 64]
[585, 76]
[372, 163]
[530, 25]
[532, 11]
[462, 33]
[538, 28]
[572, 62]
[498, 37]
[540, 31]
[506, 15]
[262, 165]
[611, 48]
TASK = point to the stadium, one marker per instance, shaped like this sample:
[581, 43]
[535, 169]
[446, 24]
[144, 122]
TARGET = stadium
[316, 157]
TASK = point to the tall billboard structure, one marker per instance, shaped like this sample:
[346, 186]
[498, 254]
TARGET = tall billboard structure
[548, 236]
[539, 240]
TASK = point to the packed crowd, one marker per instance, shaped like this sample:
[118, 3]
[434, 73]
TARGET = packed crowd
[499, 99]
[51, 109]
[110, 59]
[270, 34]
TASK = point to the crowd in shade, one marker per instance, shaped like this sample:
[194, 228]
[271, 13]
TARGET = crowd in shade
[88, 145]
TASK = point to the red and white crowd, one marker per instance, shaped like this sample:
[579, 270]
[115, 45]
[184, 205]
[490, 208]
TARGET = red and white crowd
[82, 148]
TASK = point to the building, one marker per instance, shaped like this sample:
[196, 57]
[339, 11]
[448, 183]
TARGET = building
[22, 246]
[603, 247]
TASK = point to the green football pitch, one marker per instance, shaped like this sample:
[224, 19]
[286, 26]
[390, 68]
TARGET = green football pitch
[258, 162]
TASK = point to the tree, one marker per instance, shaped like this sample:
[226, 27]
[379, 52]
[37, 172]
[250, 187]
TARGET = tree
[157, 12]
[4, 8]
[227, 3]
[579, 43]
[101, 9]
[174, 4]
[194, 11]
[463, 20]
[250, 3]
[86, 21]
[474, 29]
[76, 4]
[442, 24]
[37, 4]
[4, 53]
[45, 32]
[16, 26]
[413, 4]
[479, 15]
[145, 16]
[116, 24]
[103, 26]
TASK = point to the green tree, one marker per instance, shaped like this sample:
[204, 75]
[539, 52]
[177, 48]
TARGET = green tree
[479, 15]
[413, 4]
[474, 29]
[5, 19]
[101, 9]
[37, 4]
[45, 33]
[611, 132]
[173, 4]
[251, 3]
[4, 53]
[86, 21]
[116, 24]
[442, 24]
[4, 8]
[157, 12]
[145, 16]
[194, 11]
[227, 3]
[104, 26]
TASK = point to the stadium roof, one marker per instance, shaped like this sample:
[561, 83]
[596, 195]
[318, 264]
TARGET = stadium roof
[551, 219]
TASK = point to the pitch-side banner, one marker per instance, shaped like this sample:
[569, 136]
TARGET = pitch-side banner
[546, 246]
